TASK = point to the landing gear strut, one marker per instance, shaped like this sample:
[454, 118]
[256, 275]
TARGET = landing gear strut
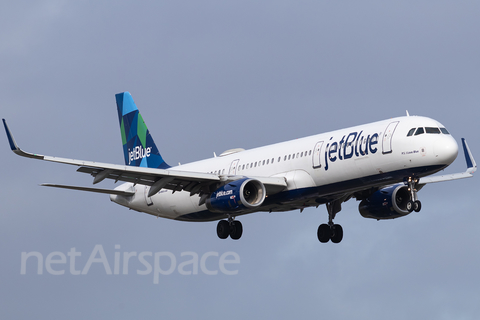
[414, 204]
[229, 227]
[331, 231]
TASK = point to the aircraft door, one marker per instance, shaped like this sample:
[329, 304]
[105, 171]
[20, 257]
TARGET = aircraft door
[317, 157]
[233, 167]
[387, 137]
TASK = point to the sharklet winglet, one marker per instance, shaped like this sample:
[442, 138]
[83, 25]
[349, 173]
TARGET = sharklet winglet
[471, 164]
[15, 148]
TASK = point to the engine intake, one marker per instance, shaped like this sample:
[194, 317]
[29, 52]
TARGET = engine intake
[237, 196]
[387, 203]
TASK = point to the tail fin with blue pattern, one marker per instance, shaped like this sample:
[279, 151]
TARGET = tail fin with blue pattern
[138, 146]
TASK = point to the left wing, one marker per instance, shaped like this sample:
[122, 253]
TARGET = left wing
[157, 179]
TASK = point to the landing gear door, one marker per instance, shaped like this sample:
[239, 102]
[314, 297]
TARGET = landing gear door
[148, 199]
[233, 167]
[317, 157]
[387, 137]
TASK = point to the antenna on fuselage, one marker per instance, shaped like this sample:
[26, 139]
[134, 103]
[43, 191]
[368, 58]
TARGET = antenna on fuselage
[408, 115]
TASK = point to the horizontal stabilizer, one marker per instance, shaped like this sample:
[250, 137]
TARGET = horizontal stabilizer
[106, 191]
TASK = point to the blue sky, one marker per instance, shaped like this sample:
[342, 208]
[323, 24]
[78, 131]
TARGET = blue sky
[213, 75]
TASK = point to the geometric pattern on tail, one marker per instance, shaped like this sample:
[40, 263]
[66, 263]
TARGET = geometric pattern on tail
[139, 149]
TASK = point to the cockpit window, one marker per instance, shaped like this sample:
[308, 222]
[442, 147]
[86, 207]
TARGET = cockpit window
[419, 131]
[432, 130]
[428, 130]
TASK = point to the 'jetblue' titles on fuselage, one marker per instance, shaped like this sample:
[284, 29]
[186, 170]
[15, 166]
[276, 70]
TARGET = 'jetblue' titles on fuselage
[138, 153]
[353, 144]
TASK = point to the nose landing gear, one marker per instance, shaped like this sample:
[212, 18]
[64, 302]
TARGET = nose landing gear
[414, 204]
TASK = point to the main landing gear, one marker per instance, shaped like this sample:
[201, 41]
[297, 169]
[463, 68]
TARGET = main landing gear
[414, 204]
[331, 231]
[230, 228]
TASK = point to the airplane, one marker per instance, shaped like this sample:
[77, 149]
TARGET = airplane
[381, 164]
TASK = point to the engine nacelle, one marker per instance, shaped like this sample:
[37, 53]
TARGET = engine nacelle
[237, 196]
[387, 203]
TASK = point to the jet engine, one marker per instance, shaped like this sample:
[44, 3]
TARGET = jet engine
[237, 196]
[387, 203]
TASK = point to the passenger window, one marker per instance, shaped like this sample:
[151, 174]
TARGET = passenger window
[444, 131]
[410, 133]
[297, 155]
[279, 159]
[272, 160]
[419, 131]
[263, 163]
[432, 130]
[310, 153]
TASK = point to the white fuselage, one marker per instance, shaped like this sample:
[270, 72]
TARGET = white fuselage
[315, 168]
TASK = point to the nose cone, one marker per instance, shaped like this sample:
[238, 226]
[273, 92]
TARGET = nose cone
[445, 149]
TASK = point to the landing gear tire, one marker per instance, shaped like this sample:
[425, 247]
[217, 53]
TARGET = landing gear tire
[323, 233]
[337, 233]
[223, 229]
[417, 206]
[410, 206]
[236, 230]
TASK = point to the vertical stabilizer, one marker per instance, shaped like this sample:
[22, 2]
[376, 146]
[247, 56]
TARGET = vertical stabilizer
[138, 147]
